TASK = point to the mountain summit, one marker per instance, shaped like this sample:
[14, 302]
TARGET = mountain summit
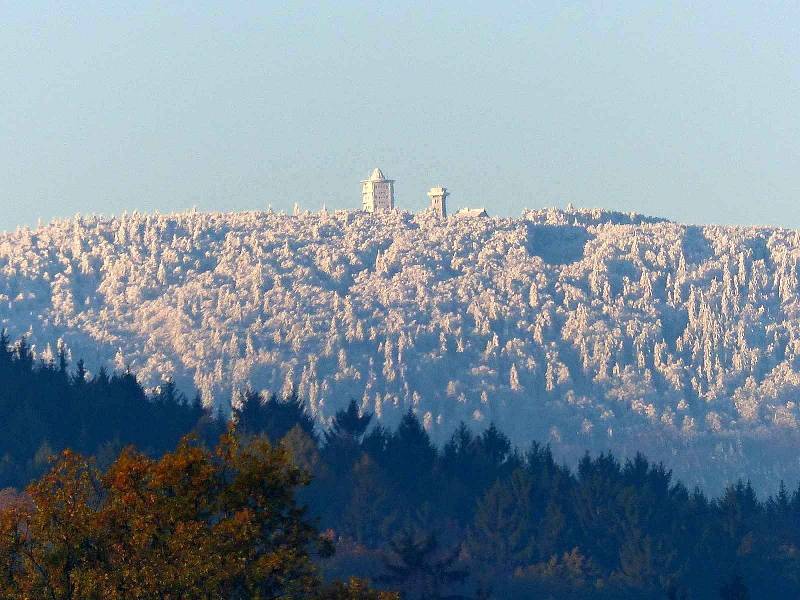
[588, 328]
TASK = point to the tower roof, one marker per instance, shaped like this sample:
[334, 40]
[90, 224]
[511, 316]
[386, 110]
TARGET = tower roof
[377, 175]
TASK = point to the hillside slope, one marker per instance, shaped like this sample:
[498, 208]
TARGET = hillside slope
[588, 329]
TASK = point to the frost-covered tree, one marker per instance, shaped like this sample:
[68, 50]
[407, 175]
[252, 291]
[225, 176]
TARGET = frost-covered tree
[678, 335]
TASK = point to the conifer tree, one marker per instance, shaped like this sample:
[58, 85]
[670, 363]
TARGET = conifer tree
[417, 565]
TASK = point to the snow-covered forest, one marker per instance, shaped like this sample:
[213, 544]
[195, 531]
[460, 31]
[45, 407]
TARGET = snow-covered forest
[587, 328]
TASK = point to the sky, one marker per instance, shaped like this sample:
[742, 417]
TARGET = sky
[685, 110]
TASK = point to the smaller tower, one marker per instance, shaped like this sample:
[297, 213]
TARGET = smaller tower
[438, 196]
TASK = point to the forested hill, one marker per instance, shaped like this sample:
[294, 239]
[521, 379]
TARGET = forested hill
[589, 329]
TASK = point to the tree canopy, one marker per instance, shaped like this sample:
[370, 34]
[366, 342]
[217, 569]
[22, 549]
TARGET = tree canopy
[194, 523]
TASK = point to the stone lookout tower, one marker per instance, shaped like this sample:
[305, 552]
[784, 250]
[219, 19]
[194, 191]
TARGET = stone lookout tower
[377, 193]
[438, 196]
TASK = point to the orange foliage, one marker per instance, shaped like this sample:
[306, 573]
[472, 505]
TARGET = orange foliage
[196, 523]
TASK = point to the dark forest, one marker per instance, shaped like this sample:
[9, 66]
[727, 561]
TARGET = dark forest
[476, 518]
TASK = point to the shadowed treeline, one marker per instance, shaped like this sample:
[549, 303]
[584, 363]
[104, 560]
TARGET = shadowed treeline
[480, 517]
[473, 518]
[46, 407]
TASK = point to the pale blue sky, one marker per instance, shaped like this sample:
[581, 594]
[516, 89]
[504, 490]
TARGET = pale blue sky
[674, 109]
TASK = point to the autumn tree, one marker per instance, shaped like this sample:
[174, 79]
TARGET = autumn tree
[196, 523]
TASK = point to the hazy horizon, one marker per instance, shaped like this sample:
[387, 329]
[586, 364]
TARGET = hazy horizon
[676, 111]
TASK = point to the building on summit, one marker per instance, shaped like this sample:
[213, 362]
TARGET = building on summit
[377, 196]
[472, 212]
[377, 193]
[438, 196]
